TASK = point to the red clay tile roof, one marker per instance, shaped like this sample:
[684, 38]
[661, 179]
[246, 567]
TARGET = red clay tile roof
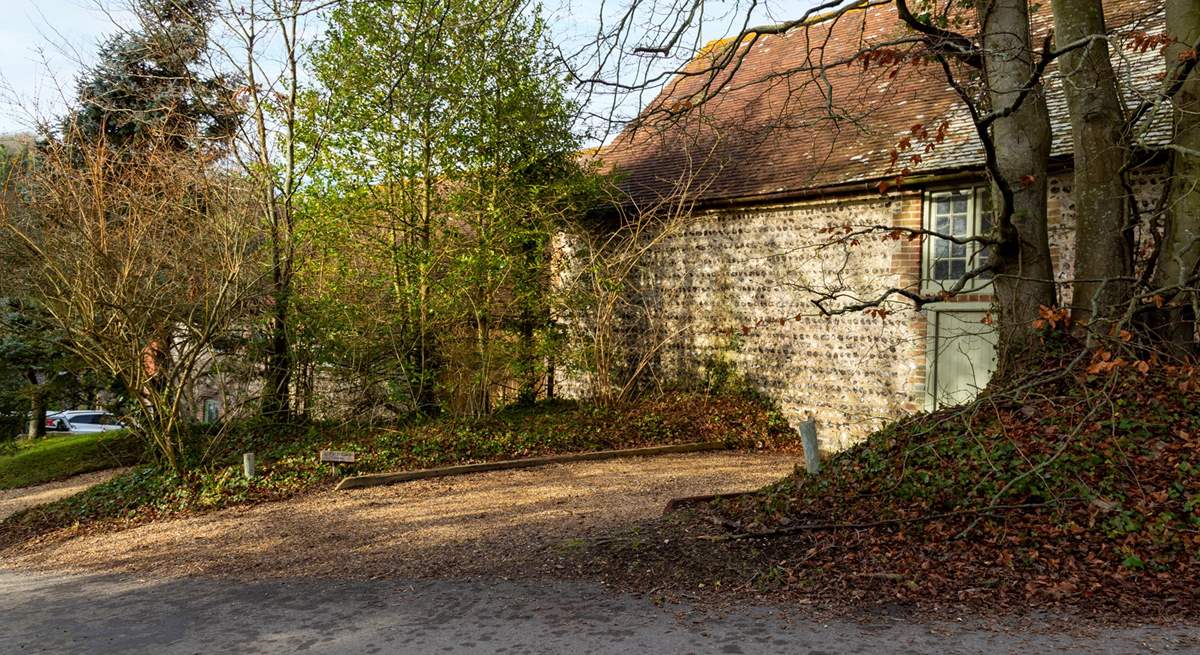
[777, 127]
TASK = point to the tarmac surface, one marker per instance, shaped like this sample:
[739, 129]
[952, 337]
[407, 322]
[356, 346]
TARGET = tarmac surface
[60, 613]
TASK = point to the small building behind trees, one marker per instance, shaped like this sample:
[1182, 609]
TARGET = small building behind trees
[804, 167]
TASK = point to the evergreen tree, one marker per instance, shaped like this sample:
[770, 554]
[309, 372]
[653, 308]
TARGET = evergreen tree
[152, 80]
[37, 370]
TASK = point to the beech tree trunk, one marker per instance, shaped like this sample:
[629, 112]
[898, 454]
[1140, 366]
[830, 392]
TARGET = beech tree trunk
[1179, 258]
[1103, 235]
[36, 426]
[1024, 270]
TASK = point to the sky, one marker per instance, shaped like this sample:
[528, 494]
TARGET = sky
[41, 43]
[44, 43]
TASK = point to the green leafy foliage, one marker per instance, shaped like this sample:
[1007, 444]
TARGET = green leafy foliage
[38, 371]
[445, 157]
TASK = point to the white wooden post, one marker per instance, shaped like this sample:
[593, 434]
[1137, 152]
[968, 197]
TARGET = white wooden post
[808, 438]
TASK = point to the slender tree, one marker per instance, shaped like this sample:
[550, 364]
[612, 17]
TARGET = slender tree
[1104, 245]
[1018, 159]
[388, 74]
[263, 42]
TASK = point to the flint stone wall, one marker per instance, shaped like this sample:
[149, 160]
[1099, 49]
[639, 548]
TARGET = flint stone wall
[736, 286]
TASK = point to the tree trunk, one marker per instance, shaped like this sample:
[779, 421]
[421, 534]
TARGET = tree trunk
[1024, 270]
[1179, 259]
[550, 371]
[276, 403]
[531, 315]
[1103, 236]
[36, 427]
[428, 357]
[526, 359]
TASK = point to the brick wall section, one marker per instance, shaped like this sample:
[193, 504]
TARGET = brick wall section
[907, 265]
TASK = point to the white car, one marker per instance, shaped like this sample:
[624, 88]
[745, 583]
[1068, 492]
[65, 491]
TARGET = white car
[82, 421]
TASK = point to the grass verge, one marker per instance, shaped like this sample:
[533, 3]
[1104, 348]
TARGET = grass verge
[57, 457]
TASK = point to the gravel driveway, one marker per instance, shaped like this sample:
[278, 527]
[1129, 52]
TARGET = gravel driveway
[299, 576]
[499, 523]
[15, 500]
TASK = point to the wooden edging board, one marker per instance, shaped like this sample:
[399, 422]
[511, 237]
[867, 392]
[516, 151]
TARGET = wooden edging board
[378, 479]
[676, 503]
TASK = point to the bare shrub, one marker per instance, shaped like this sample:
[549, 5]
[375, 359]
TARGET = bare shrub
[143, 257]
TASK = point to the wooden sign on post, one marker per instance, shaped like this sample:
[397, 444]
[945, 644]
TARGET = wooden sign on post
[337, 456]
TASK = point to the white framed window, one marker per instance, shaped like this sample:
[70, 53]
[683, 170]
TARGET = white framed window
[961, 214]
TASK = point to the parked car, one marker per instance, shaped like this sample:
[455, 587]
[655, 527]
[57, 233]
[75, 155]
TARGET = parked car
[81, 421]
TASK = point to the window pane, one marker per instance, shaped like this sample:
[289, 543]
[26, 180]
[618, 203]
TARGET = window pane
[960, 226]
[958, 268]
[212, 410]
[942, 206]
[941, 248]
[941, 270]
[984, 208]
[943, 224]
[960, 205]
[958, 250]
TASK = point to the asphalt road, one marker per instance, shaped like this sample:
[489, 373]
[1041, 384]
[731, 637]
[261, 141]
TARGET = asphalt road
[51, 613]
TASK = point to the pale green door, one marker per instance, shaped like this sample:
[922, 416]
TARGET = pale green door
[961, 354]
